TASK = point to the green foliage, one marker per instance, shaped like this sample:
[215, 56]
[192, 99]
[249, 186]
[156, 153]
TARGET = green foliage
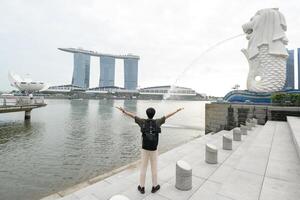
[285, 99]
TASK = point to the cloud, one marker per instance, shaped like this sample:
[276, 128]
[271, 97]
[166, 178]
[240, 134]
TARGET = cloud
[168, 35]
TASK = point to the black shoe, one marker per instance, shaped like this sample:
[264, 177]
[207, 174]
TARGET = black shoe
[155, 189]
[141, 189]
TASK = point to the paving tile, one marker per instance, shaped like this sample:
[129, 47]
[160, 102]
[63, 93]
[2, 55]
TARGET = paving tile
[169, 191]
[96, 187]
[203, 169]
[133, 193]
[288, 171]
[113, 189]
[220, 197]
[255, 160]
[207, 191]
[284, 154]
[283, 163]
[242, 185]
[221, 174]
[155, 197]
[274, 189]
[121, 175]
[167, 173]
[89, 197]
[194, 157]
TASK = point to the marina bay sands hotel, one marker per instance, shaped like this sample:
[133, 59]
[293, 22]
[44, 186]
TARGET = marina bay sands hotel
[81, 71]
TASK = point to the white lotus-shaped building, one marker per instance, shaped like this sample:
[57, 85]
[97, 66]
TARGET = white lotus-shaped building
[25, 85]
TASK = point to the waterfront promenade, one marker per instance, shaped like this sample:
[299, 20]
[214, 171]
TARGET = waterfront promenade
[20, 103]
[264, 165]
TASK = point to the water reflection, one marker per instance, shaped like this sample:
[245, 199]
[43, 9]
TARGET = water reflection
[14, 130]
[75, 144]
[130, 105]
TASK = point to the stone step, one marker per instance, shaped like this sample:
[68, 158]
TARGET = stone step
[294, 125]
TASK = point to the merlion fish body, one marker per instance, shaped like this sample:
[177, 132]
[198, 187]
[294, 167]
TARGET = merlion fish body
[266, 52]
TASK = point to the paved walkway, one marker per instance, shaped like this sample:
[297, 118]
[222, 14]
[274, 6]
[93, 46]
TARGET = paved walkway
[264, 165]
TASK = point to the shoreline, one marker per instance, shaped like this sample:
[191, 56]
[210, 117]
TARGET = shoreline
[131, 166]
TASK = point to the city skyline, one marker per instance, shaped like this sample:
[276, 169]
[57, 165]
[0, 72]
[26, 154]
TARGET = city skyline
[167, 37]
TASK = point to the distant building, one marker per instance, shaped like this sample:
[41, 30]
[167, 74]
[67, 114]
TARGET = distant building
[107, 71]
[64, 88]
[130, 73]
[81, 71]
[110, 89]
[290, 79]
[162, 90]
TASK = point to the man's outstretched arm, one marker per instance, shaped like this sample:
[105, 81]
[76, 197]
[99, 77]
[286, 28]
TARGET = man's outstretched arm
[126, 112]
[173, 113]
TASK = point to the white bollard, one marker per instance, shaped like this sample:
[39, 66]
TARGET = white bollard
[249, 125]
[244, 130]
[227, 142]
[119, 197]
[255, 121]
[183, 176]
[237, 136]
[211, 154]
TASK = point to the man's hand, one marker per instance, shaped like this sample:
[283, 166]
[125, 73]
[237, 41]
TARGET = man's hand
[173, 113]
[121, 109]
[179, 109]
[126, 112]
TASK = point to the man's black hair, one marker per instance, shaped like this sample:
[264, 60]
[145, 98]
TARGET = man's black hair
[150, 112]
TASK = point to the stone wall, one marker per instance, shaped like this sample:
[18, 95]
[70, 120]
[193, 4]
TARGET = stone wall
[225, 116]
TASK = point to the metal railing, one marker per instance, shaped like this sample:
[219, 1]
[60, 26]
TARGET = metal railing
[20, 100]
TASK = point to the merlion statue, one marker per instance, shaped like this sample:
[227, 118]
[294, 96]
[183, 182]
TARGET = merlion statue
[266, 52]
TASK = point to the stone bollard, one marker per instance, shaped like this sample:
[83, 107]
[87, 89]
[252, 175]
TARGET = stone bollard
[211, 154]
[251, 122]
[244, 130]
[249, 125]
[119, 197]
[183, 176]
[227, 142]
[237, 136]
[255, 121]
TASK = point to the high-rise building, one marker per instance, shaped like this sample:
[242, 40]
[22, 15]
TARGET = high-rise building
[290, 79]
[107, 71]
[130, 73]
[81, 71]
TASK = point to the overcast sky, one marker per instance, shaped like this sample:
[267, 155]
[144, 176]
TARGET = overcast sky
[167, 34]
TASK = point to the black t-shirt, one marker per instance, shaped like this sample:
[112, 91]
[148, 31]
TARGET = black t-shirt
[146, 144]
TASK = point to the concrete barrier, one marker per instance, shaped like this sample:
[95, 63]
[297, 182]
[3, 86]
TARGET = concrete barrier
[227, 142]
[249, 125]
[237, 136]
[183, 176]
[255, 121]
[244, 130]
[211, 154]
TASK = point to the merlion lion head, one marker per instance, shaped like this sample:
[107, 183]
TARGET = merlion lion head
[266, 50]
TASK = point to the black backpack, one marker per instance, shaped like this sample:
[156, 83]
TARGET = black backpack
[150, 130]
